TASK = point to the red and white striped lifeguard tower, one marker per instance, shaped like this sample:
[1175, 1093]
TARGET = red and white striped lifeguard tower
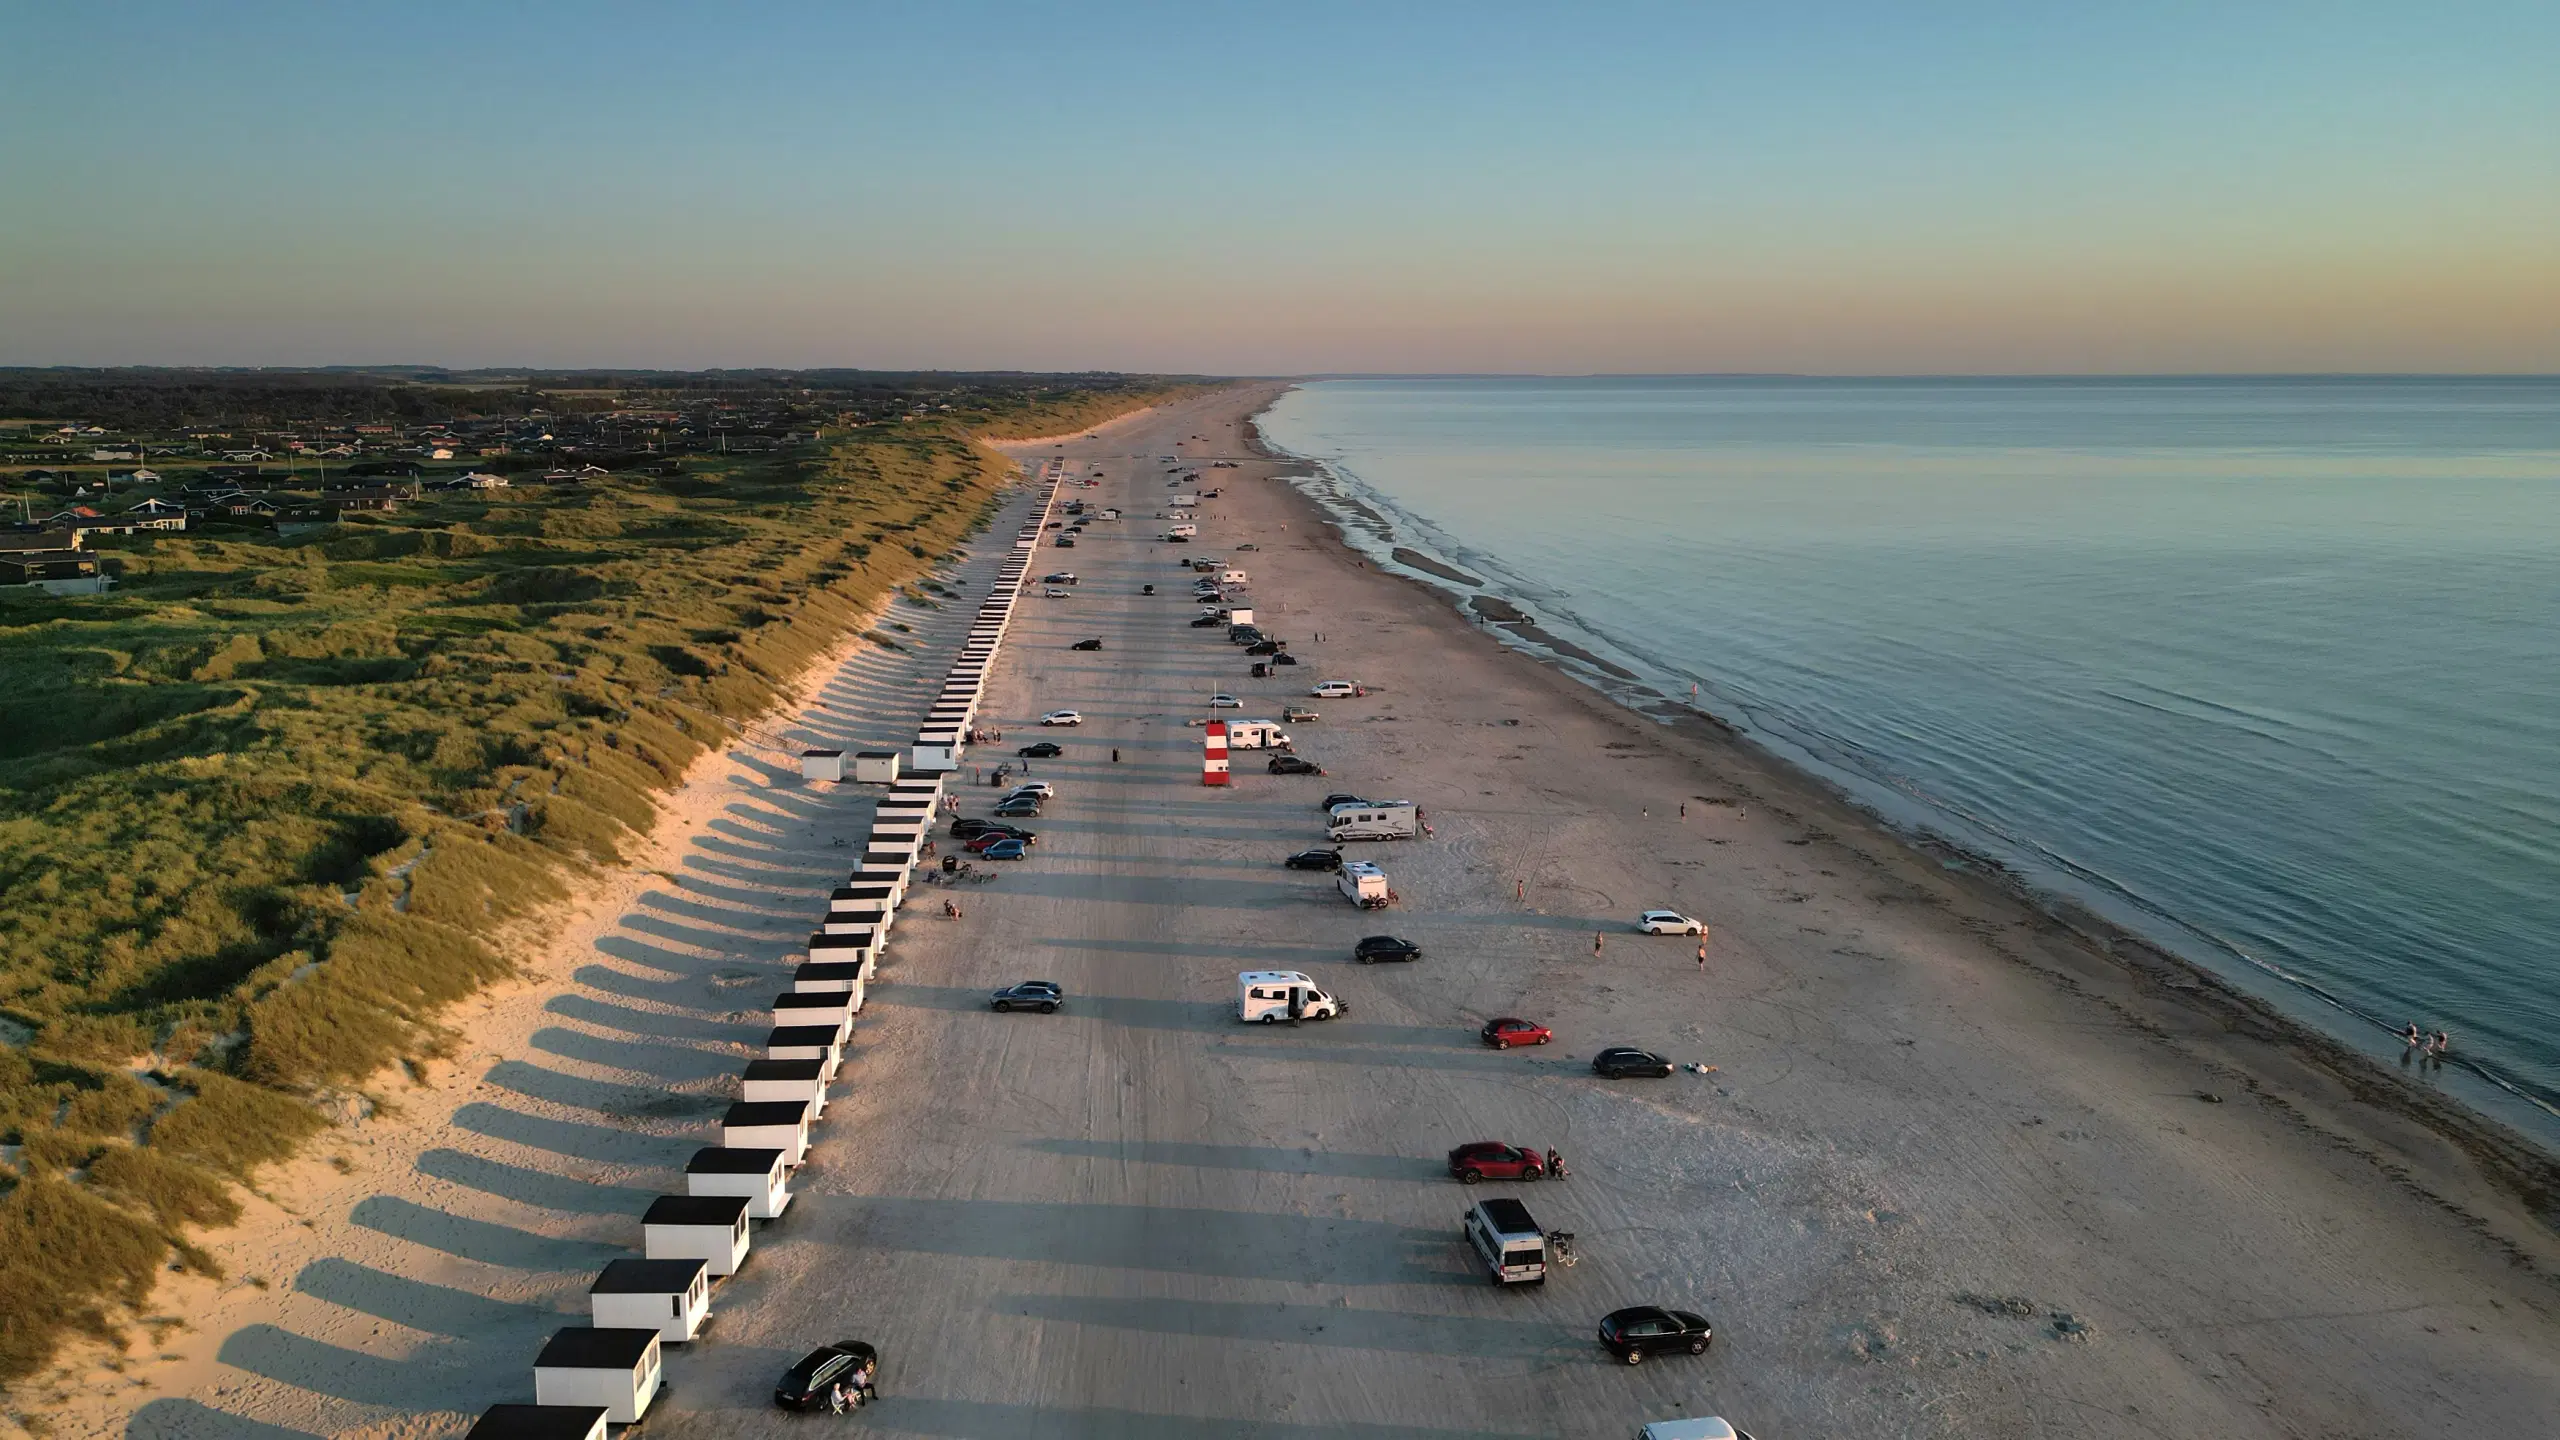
[1213, 757]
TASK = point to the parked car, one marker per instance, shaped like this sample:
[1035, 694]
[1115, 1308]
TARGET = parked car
[1298, 715]
[1340, 797]
[1704, 1427]
[1043, 750]
[1640, 1330]
[1062, 717]
[1206, 621]
[1248, 545]
[1510, 1030]
[1492, 1160]
[1002, 831]
[1055, 592]
[1334, 690]
[1086, 645]
[1315, 860]
[1026, 808]
[1044, 996]
[1062, 577]
[804, 1386]
[1004, 850]
[1620, 1061]
[1041, 788]
[1385, 947]
[1293, 765]
[1263, 647]
[977, 844]
[1669, 922]
[1284, 658]
[1146, 589]
[1225, 702]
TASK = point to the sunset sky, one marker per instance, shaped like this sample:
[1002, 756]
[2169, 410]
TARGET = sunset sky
[1819, 187]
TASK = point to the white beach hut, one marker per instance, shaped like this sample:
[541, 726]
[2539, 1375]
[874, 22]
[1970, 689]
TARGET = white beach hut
[768, 1125]
[822, 765]
[787, 1080]
[804, 1042]
[709, 1228]
[618, 1369]
[757, 1176]
[673, 1295]
[539, 1422]
[815, 1007]
[875, 767]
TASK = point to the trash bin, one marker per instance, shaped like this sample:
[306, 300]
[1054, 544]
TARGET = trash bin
[950, 863]
[1261, 670]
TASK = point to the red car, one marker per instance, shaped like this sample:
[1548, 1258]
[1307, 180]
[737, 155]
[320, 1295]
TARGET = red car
[1493, 1160]
[978, 843]
[1511, 1030]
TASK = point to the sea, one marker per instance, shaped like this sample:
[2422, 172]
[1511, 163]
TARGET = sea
[2266, 669]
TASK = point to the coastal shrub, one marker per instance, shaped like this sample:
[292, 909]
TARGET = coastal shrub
[65, 1254]
[229, 1125]
[175, 1192]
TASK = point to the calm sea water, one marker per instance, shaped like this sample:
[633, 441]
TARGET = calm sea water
[2268, 668]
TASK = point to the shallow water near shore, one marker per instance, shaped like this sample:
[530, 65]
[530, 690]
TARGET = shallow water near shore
[2267, 669]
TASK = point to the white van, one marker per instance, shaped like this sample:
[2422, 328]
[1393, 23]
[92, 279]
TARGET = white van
[1184, 502]
[1182, 532]
[1507, 1241]
[1267, 997]
[1709, 1428]
[1234, 577]
[1256, 735]
[1363, 884]
[1373, 820]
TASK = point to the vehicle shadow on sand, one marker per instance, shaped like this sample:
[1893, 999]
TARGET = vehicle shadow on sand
[1262, 1159]
[1233, 1244]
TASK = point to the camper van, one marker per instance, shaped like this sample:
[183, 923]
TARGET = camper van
[1234, 577]
[1183, 502]
[1267, 997]
[1256, 735]
[1373, 820]
[1182, 532]
[1363, 884]
[1507, 1242]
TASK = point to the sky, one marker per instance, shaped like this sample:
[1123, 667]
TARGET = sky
[1817, 186]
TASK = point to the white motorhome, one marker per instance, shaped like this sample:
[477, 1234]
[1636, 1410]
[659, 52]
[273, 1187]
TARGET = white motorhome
[1363, 884]
[1183, 502]
[1256, 735]
[1234, 577]
[1267, 997]
[1182, 532]
[1373, 820]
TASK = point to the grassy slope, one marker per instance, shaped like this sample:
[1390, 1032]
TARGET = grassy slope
[265, 808]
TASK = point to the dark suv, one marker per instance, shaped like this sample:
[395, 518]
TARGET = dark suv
[1493, 1160]
[1375, 948]
[804, 1386]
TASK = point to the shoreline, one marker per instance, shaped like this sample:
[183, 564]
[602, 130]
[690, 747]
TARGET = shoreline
[2526, 1168]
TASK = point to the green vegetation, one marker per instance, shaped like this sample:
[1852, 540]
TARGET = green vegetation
[274, 802]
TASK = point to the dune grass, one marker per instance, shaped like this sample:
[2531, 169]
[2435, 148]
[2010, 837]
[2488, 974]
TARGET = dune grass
[271, 805]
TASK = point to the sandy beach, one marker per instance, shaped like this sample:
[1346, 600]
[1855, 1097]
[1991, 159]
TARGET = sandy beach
[1955, 1171]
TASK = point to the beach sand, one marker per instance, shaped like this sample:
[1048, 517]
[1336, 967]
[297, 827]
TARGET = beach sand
[1955, 1171]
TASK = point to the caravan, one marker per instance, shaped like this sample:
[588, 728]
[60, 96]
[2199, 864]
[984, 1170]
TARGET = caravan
[1373, 820]
[1364, 885]
[1267, 997]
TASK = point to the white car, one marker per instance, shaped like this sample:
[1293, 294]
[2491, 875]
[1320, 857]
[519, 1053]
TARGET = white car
[1062, 717]
[1669, 922]
[1054, 592]
[1041, 788]
[1334, 690]
[1225, 702]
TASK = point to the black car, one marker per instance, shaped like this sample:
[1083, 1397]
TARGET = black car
[971, 829]
[805, 1385]
[1026, 808]
[1044, 996]
[1086, 645]
[1263, 647]
[1292, 765]
[1315, 860]
[1045, 750]
[1385, 947]
[1640, 1330]
[1339, 798]
[1206, 621]
[993, 827]
[1619, 1061]
[1284, 658]
[1146, 589]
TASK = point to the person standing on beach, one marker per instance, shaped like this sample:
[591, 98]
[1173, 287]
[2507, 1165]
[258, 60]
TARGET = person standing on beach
[1596, 940]
[1702, 952]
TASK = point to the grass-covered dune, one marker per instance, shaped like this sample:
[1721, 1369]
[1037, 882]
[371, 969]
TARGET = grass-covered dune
[274, 801]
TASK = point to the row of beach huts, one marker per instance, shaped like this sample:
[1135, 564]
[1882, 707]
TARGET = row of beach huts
[608, 1371]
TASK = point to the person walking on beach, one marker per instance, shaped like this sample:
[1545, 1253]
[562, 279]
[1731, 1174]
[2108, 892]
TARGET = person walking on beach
[1596, 941]
[1519, 891]
[1702, 952]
